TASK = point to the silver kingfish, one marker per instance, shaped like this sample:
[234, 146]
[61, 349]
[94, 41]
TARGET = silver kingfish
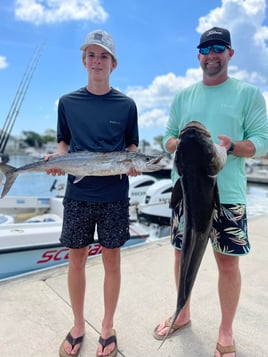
[86, 163]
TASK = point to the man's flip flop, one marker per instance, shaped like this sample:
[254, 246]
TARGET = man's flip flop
[224, 350]
[107, 342]
[73, 342]
[175, 329]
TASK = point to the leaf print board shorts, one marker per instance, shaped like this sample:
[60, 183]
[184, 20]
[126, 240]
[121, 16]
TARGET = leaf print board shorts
[229, 233]
[80, 219]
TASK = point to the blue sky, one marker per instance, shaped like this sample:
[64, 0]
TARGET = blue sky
[156, 49]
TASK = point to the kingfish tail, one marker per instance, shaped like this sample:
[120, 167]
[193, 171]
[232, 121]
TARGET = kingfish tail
[10, 174]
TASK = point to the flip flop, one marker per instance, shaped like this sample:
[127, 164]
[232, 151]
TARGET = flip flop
[175, 329]
[106, 342]
[73, 342]
[223, 350]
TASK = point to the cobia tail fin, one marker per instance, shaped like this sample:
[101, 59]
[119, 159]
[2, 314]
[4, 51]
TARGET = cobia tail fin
[169, 329]
[10, 174]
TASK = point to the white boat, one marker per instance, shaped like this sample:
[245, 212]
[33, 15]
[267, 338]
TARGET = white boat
[155, 205]
[138, 186]
[6, 219]
[34, 244]
[251, 165]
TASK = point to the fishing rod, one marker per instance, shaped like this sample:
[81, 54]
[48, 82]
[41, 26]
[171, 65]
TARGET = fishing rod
[19, 97]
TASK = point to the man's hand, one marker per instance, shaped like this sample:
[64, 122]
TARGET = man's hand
[225, 141]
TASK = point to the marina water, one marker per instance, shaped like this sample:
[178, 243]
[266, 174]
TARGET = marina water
[39, 184]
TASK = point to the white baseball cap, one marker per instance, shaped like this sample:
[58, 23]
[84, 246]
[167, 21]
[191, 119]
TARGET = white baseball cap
[100, 38]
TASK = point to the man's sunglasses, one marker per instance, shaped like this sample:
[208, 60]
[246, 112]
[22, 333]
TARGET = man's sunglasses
[216, 49]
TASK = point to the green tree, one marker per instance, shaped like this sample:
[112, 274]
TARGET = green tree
[33, 139]
[143, 144]
[36, 140]
[50, 135]
[158, 141]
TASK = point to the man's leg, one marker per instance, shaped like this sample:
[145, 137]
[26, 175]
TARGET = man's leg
[112, 281]
[229, 286]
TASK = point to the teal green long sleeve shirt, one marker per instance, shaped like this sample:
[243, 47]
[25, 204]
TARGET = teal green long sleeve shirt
[235, 109]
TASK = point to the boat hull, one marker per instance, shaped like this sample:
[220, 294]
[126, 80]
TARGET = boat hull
[16, 261]
[34, 245]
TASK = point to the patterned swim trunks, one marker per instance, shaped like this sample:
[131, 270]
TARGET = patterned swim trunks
[229, 233]
[80, 219]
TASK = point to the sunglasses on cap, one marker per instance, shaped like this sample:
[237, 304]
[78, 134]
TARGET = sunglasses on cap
[216, 49]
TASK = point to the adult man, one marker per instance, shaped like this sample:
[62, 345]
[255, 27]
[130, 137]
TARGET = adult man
[235, 113]
[96, 118]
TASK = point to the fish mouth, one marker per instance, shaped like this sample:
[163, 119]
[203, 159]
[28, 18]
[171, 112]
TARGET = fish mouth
[155, 162]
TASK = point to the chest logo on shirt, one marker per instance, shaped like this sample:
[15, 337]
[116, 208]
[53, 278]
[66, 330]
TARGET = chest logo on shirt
[115, 122]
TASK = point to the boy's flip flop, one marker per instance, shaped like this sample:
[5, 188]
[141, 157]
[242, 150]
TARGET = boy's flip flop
[73, 342]
[107, 341]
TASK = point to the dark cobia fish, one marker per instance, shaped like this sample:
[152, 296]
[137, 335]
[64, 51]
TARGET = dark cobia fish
[86, 163]
[197, 160]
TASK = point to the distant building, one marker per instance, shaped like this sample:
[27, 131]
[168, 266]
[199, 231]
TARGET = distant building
[13, 145]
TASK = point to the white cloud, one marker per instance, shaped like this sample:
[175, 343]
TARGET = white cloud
[244, 19]
[54, 11]
[153, 118]
[233, 12]
[154, 101]
[266, 98]
[244, 75]
[3, 62]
